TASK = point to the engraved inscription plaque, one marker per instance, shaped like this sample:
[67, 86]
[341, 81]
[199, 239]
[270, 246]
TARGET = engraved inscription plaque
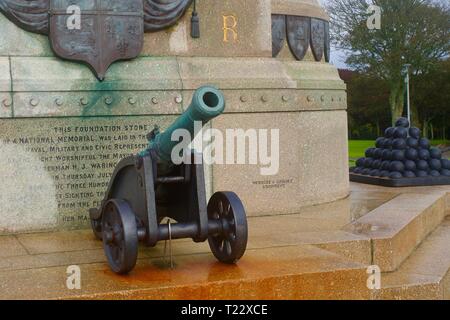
[54, 170]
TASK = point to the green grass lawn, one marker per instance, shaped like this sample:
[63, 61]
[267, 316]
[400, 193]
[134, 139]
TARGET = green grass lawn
[357, 148]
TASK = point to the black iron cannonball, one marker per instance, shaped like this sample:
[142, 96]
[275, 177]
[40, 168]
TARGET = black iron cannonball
[409, 174]
[435, 164]
[370, 152]
[412, 142]
[365, 171]
[424, 154]
[384, 174]
[399, 144]
[445, 172]
[402, 122]
[422, 165]
[395, 175]
[414, 132]
[385, 165]
[360, 162]
[379, 143]
[378, 153]
[374, 173]
[435, 173]
[435, 153]
[368, 162]
[387, 155]
[389, 132]
[388, 143]
[412, 154]
[421, 174]
[398, 155]
[376, 164]
[410, 165]
[445, 164]
[424, 143]
[397, 166]
[400, 133]
[358, 170]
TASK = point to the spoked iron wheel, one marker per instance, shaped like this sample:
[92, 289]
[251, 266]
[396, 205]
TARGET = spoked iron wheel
[120, 239]
[229, 245]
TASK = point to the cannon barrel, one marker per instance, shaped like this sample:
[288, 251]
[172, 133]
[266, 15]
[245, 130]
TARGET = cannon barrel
[207, 103]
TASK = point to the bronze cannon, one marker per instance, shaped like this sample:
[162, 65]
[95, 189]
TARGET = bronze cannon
[148, 187]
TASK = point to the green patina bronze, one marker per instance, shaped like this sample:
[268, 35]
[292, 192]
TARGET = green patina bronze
[207, 104]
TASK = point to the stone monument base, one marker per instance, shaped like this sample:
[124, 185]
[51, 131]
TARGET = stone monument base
[62, 137]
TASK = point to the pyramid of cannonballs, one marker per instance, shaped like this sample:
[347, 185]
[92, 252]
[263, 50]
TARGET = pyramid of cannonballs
[402, 154]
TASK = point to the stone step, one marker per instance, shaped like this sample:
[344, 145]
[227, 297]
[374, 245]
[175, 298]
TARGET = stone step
[425, 274]
[397, 227]
[314, 254]
[294, 272]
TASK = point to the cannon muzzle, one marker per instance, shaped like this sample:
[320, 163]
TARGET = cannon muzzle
[207, 103]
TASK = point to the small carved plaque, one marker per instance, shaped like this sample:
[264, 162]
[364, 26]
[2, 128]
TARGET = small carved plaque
[327, 42]
[317, 38]
[278, 33]
[298, 31]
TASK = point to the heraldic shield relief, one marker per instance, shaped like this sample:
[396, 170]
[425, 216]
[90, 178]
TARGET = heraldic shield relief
[110, 30]
[96, 32]
[298, 31]
[278, 33]
[301, 33]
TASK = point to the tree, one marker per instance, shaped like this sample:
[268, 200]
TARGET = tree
[368, 106]
[430, 96]
[415, 32]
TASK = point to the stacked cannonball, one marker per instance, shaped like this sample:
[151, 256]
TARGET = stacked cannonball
[403, 153]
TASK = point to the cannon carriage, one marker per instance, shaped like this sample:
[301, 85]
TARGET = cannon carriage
[148, 187]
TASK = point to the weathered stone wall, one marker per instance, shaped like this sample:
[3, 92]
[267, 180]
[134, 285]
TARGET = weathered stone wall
[62, 131]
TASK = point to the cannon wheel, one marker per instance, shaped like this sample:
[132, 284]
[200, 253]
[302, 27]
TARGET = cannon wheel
[120, 239]
[229, 245]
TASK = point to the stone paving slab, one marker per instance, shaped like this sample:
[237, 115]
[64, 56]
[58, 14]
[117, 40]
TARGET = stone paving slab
[272, 273]
[10, 246]
[308, 255]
